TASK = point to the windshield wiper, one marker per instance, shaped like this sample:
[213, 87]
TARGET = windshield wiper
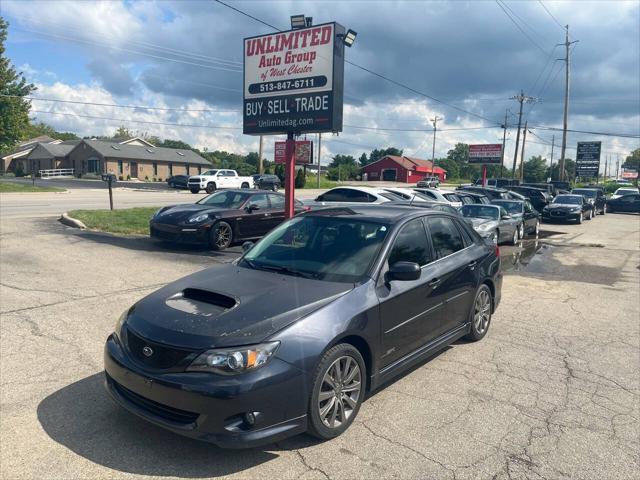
[285, 270]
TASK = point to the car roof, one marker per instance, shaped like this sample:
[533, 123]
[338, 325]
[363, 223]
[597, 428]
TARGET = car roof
[374, 190]
[569, 195]
[585, 188]
[383, 213]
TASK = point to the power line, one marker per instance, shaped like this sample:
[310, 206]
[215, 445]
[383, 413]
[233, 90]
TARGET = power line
[371, 72]
[142, 107]
[604, 134]
[551, 15]
[139, 121]
[520, 28]
[418, 129]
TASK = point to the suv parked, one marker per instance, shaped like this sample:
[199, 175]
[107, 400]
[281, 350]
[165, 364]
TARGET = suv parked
[267, 182]
[498, 182]
[211, 180]
[538, 198]
[429, 182]
[595, 197]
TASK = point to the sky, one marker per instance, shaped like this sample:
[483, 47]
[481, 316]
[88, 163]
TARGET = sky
[463, 62]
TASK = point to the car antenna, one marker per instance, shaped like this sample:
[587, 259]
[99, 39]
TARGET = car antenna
[412, 199]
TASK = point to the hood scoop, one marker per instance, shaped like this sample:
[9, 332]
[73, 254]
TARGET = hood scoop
[201, 302]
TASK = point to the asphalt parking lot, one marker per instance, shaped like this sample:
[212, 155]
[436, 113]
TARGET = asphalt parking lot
[553, 391]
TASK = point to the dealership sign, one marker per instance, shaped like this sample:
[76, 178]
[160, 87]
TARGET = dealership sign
[629, 173]
[293, 81]
[588, 159]
[486, 153]
[304, 152]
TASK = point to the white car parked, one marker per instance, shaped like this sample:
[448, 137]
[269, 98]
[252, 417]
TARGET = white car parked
[439, 195]
[212, 180]
[348, 195]
[624, 191]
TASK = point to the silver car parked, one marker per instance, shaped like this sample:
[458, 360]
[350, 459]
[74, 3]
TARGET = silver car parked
[493, 222]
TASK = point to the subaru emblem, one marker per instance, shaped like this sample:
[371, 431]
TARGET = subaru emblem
[147, 351]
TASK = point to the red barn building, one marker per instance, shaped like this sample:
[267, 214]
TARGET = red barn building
[402, 169]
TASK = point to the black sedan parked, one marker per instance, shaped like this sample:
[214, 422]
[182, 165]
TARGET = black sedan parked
[568, 208]
[292, 337]
[178, 181]
[626, 203]
[595, 196]
[220, 219]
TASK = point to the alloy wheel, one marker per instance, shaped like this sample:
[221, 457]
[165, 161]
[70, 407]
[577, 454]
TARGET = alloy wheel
[537, 229]
[521, 231]
[340, 392]
[223, 236]
[482, 312]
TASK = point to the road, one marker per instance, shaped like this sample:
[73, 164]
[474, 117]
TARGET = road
[552, 392]
[46, 204]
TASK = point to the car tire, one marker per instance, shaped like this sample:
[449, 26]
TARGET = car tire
[244, 185]
[195, 190]
[580, 219]
[521, 231]
[274, 188]
[221, 236]
[514, 240]
[536, 229]
[211, 187]
[331, 410]
[172, 185]
[590, 217]
[480, 314]
[604, 209]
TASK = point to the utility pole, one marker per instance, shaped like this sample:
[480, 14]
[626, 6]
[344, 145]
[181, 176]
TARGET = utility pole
[504, 140]
[522, 98]
[319, 157]
[524, 140]
[260, 166]
[553, 143]
[434, 121]
[617, 166]
[565, 120]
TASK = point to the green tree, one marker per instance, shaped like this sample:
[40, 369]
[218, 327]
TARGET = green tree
[535, 169]
[363, 159]
[633, 160]
[168, 143]
[451, 166]
[124, 133]
[569, 169]
[300, 179]
[37, 129]
[343, 167]
[14, 110]
[376, 154]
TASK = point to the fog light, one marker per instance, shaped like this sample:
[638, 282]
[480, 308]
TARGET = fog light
[250, 419]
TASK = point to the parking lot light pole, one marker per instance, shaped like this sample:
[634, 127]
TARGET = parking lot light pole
[289, 175]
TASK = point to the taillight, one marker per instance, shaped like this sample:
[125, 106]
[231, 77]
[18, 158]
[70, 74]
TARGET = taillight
[307, 209]
[497, 250]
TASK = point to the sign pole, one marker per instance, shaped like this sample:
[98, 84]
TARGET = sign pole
[484, 174]
[110, 193]
[289, 175]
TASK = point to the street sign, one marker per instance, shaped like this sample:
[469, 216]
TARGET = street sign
[304, 152]
[293, 81]
[588, 159]
[629, 173]
[485, 154]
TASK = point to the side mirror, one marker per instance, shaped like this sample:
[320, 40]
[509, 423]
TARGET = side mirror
[252, 207]
[246, 246]
[404, 271]
[505, 217]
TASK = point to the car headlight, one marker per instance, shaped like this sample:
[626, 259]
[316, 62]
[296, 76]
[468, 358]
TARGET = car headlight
[198, 218]
[158, 212]
[120, 322]
[232, 361]
[576, 209]
[485, 227]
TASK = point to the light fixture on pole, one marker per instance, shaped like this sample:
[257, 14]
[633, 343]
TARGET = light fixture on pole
[298, 21]
[349, 38]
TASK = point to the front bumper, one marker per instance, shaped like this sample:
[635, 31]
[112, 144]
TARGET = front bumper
[196, 234]
[210, 407]
[555, 216]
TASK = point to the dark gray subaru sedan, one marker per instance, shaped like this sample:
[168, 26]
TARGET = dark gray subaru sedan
[327, 307]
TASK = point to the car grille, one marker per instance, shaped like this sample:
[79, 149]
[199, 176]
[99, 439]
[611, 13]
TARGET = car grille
[169, 234]
[164, 411]
[162, 356]
[556, 213]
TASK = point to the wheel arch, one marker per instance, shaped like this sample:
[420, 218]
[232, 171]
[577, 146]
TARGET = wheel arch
[360, 344]
[492, 288]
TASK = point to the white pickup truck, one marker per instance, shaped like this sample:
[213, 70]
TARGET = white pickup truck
[211, 180]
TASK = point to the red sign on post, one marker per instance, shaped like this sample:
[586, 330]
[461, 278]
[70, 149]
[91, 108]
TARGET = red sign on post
[486, 153]
[304, 152]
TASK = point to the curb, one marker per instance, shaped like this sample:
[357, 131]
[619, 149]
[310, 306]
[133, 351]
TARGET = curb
[71, 222]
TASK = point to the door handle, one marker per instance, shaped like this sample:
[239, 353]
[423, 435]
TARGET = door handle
[267, 214]
[472, 265]
[434, 282]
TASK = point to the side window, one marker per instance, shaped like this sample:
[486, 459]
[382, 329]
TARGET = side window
[260, 200]
[411, 245]
[503, 212]
[445, 237]
[527, 207]
[358, 196]
[430, 195]
[277, 201]
[335, 195]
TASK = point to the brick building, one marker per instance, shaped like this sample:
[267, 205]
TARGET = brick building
[402, 169]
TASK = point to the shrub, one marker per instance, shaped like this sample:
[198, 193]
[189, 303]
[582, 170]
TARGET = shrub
[146, 178]
[120, 177]
[19, 170]
[300, 179]
[128, 177]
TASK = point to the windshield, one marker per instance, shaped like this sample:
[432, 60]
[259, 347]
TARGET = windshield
[227, 199]
[480, 211]
[210, 172]
[585, 191]
[321, 247]
[568, 199]
[511, 207]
